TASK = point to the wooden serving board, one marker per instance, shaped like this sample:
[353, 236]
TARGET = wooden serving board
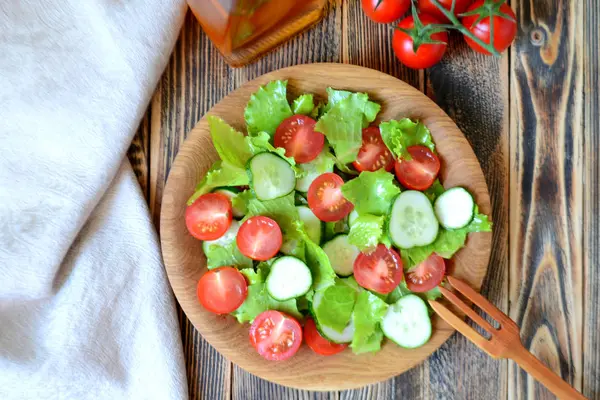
[185, 262]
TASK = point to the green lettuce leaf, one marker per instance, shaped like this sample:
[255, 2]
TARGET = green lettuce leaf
[335, 308]
[258, 301]
[447, 243]
[260, 143]
[219, 256]
[369, 311]
[434, 191]
[282, 210]
[267, 108]
[240, 202]
[229, 143]
[371, 192]
[342, 124]
[258, 275]
[332, 229]
[399, 291]
[220, 174]
[366, 232]
[399, 135]
[303, 105]
[316, 259]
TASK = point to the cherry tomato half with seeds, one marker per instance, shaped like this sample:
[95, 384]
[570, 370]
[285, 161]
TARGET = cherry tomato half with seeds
[505, 30]
[427, 55]
[259, 238]
[222, 290]
[325, 198]
[427, 7]
[318, 343]
[420, 172]
[209, 217]
[385, 11]
[373, 153]
[275, 336]
[426, 275]
[297, 136]
[380, 271]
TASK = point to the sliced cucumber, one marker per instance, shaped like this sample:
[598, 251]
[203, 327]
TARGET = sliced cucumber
[412, 220]
[232, 193]
[407, 322]
[289, 278]
[312, 224]
[341, 255]
[454, 208]
[323, 163]
[224, 240]
[327, 332]
[352, 217]
[270, 176]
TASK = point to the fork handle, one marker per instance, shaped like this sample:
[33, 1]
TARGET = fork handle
[543, 374]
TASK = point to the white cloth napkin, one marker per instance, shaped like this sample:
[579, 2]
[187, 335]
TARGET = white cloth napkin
[85, 307]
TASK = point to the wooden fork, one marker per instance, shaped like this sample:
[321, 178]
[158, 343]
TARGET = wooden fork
[505, 342]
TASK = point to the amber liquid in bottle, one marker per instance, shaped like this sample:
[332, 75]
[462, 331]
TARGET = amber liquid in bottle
[242, 30]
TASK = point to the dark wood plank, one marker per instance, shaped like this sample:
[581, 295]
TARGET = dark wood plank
[591, 221]
[473, 90]
[139, 153]
[545, 190]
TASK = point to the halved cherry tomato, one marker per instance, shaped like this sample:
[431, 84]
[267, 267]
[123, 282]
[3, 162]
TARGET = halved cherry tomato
[380, 271]
[297, 136]
[325, 198]
[275, 335]
[505, 29]
[209, 217]
[426, 275]
[222, 290]
[373, 154]
[427, 7]
[428, 54]
[318, 343]
[385, 11]
[259, 238]
[420, 172]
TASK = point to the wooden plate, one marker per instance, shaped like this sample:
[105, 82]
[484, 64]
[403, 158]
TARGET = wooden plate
[185, 262]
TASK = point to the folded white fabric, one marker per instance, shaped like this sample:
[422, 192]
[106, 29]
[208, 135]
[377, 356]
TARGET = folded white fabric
[85, 307]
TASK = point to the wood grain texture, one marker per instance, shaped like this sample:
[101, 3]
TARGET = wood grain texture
[185, 262]
[139, 154]
[591, 219]
[546, 268]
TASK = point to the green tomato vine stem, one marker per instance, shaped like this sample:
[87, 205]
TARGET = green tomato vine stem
[457, 25]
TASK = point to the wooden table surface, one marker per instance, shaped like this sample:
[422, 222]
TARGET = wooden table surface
[532, 118]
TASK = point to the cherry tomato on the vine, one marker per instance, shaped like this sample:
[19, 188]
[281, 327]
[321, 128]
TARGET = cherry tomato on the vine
[385, 11]
[505, 29]
[428, 54]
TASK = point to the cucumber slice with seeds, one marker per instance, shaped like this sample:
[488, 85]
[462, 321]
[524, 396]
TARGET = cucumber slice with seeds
[407, 322]
[341, 254]
[454, 208]
[270, 176]
[412, 221]
[289, 278]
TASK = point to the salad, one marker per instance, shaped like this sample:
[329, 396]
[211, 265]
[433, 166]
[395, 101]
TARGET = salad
[319, 225]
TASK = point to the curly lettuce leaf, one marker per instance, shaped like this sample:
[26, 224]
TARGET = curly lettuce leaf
[369, 311]
[267, 108]
[303, 104]
[322, 273]
[337, 303]
[259, 300]
[240, 201]
[434, 191]
[371, 192]
[258, 274]
[447, 243]
[366, 232]
[282, 210]
[261, 142]
[229, 143]
[399, 135]
[342, 124]
[219, 256]
[220, 174]
[399, 291]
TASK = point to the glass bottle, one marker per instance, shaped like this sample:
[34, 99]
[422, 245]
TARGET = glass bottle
[242, 30]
